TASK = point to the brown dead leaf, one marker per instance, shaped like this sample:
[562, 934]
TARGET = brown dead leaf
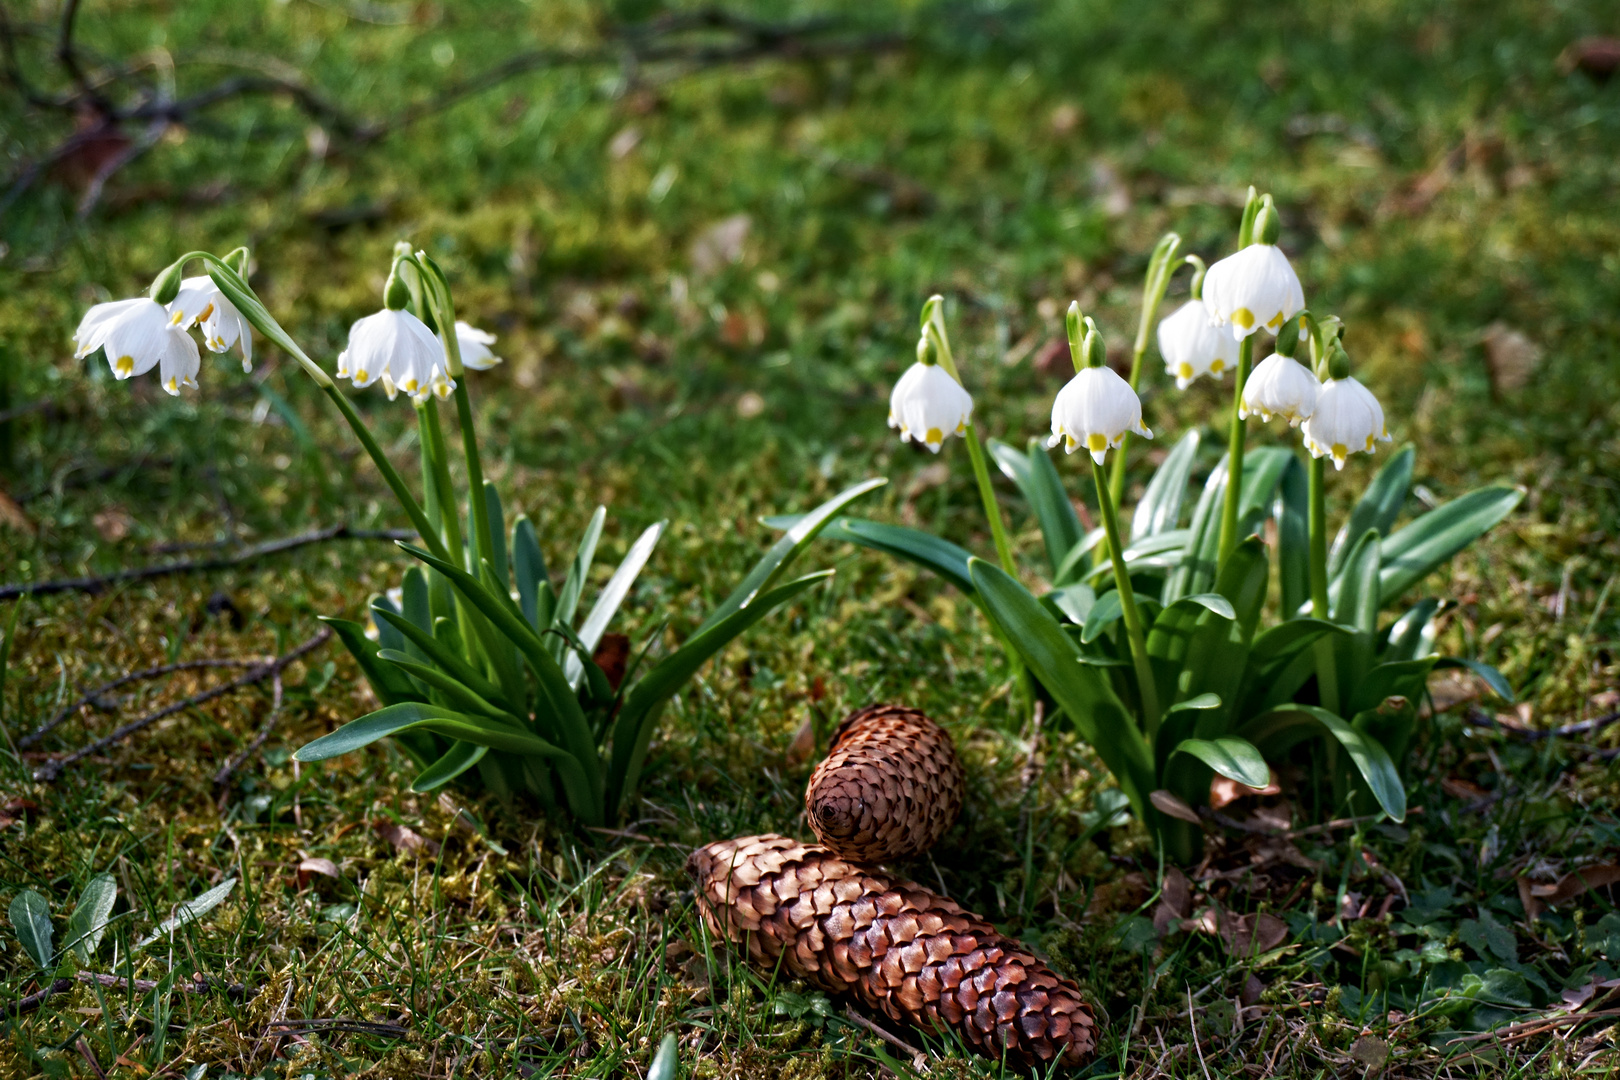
[1462, 790]
[1511, 356]
[1577, 882]
[1175, 900]
[112, 523]
[17, 810]
[803, 746]
[1168, 804]
[720, 244]
[1266, 851]
[1596, 57]
[309, 869]
[12, 516]
[1371, 1051]
[1251, 935]
[1532, 907]
[405, 840]
[1224, 791]
[611, 655]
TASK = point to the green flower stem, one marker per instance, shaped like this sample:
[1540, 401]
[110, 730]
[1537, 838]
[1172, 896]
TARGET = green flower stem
[1127, 602]
[390, 475]
[1327, 670]
[981, 473]
[987, 494]
[441, 495]
[1234, 466]
[477, 512]
[1160, 267]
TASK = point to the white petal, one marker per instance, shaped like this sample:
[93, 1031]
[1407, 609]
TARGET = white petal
[1252, 289]
[180, 362]
[475, 347]
[1192, 347]
[929, 405]
[135, 338]
[93, 327]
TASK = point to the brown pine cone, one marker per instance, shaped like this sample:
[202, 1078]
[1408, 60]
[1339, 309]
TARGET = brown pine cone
[889, 787]
[891, 944]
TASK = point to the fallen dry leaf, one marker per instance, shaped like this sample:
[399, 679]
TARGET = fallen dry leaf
[612, 655]
[309, 869]
[803, 746]
[1511, 356]
[1597, 57]
[1168, 804]
[1577, 882]
[720, 244]
[1371, 1051]
[1224, 791]
[1250, 935]
[13, 516]
[405, 840]
[1175, 900]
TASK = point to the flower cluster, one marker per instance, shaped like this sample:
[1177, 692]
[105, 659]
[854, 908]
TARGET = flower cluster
[393, 348]
[140, 334]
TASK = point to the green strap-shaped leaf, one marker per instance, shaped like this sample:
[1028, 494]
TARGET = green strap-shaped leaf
[1409, 553]
[1356, 605]
[574, 583]
[529, 568]
[1263, 471]
[387, 636]
[787, 548]
[1377, 508]
[1281, 643]
[1074, 564]
[915, 546]
[1395, 678]
[1493, 678]
[561, 705]
[458, 759]
[433, 649]
[1083, 692]
[1170, 637]
[666, 1064]
[1274, 732]
[613, 594]
[31, 922]
[1161, 551]
[1412, 635]
[1108, 610]
[1160, 507]
[1294, 539]
[1072, 602]
[1232, 757]
[1037, 478]
[365, 730]
[190, 911]
[632, 731]
[495, 516]
[90, 916]
[458, 696]
[387, 682]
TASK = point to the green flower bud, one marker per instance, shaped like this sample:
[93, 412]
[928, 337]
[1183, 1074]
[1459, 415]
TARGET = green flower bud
[167, 284]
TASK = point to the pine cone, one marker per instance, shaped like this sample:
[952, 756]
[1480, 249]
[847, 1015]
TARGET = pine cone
[890, 786]
[893, 945]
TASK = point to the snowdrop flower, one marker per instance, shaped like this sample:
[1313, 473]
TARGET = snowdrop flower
[1095, 410]
[1280, 386]
[1254, 287]
[136, 336]
[475, 343]
[1193, 346]
[928, 405]
[1347, 420]
[201, 302]
[394, 348]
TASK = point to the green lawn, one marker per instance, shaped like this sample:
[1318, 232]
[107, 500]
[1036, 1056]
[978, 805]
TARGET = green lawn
[1444, 186]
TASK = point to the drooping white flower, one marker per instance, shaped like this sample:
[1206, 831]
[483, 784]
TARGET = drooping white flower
[475, 347]
[1280, 386]
[201, 302]
[1347, 420]
[1253, 288]
[394, 348]
[136, 336]
[928, 405]
[1192, 346]
[1095, 410]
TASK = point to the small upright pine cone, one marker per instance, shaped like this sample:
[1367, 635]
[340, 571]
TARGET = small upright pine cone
[891, 944]
[890, 786]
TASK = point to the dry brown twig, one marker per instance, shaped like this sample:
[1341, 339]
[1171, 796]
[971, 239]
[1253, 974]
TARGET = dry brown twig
[53, 768]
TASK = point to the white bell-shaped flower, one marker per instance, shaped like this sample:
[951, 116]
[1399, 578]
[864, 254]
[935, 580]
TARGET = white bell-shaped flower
[1347, 420]
[200, 302]
[136, 336]
[1253, 288]
[928, 405]
[394, 348]
[475, 347]
[1280, 386]
[1094, 411]
[1192, 346]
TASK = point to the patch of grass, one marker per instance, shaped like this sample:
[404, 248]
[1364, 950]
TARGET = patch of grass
[1437, 175]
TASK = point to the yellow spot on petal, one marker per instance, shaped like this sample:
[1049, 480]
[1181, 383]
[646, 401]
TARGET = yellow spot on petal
[1275, 322]
[207, 311]
[934, 436]
[1069, 444]
[1369, 444]
[124, 366]
[1339, 451]
[178, 318]
[1184, 371]
[961, 428]
[1243, 317]
[172, 386]
[362, 376]
[1096, 441]
[1217, 366]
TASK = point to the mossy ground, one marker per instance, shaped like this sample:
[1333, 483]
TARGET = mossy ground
[1439, 176]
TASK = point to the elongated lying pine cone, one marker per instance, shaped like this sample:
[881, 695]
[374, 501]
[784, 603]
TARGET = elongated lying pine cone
[893, 945]
[889, 787]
